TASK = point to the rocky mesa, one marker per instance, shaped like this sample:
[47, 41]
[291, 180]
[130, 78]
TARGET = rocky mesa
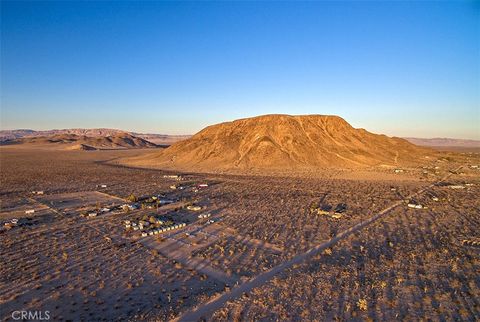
[282, 142]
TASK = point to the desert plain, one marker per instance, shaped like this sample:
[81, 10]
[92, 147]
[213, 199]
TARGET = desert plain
[96, 235]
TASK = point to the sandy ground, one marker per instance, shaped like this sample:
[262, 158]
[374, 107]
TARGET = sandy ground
[266, 256]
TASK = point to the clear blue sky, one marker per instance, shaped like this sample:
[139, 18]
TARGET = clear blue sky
[400, 68]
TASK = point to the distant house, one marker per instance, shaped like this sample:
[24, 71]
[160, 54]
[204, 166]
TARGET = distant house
[128, 207]
[415, 205]
[456, 187]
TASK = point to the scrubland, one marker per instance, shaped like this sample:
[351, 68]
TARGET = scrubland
[410, 264]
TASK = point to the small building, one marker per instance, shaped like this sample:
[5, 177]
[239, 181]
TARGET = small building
[456, 187]
[414, 205]
[165, 201]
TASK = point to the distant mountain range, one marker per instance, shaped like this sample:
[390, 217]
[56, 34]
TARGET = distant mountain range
[165, 139]
[445, 142]
[82, 142]
[7, 136]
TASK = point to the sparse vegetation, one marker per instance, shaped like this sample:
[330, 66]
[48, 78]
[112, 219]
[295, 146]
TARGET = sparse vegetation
[262, 222]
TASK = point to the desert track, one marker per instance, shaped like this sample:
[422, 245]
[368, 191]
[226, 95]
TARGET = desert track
[216, 303]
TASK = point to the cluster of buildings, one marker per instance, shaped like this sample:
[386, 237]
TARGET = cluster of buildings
[157, 231]
[152, 227]
[14, 222]
[173, 176]
[416, 205]
[460, 186]
[93, 214]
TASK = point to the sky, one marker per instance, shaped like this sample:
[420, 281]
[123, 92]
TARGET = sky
[399, 68]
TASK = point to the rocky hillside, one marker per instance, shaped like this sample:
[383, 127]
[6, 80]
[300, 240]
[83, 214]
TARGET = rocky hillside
[282, 142]
[160, 139]
[83, 142]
